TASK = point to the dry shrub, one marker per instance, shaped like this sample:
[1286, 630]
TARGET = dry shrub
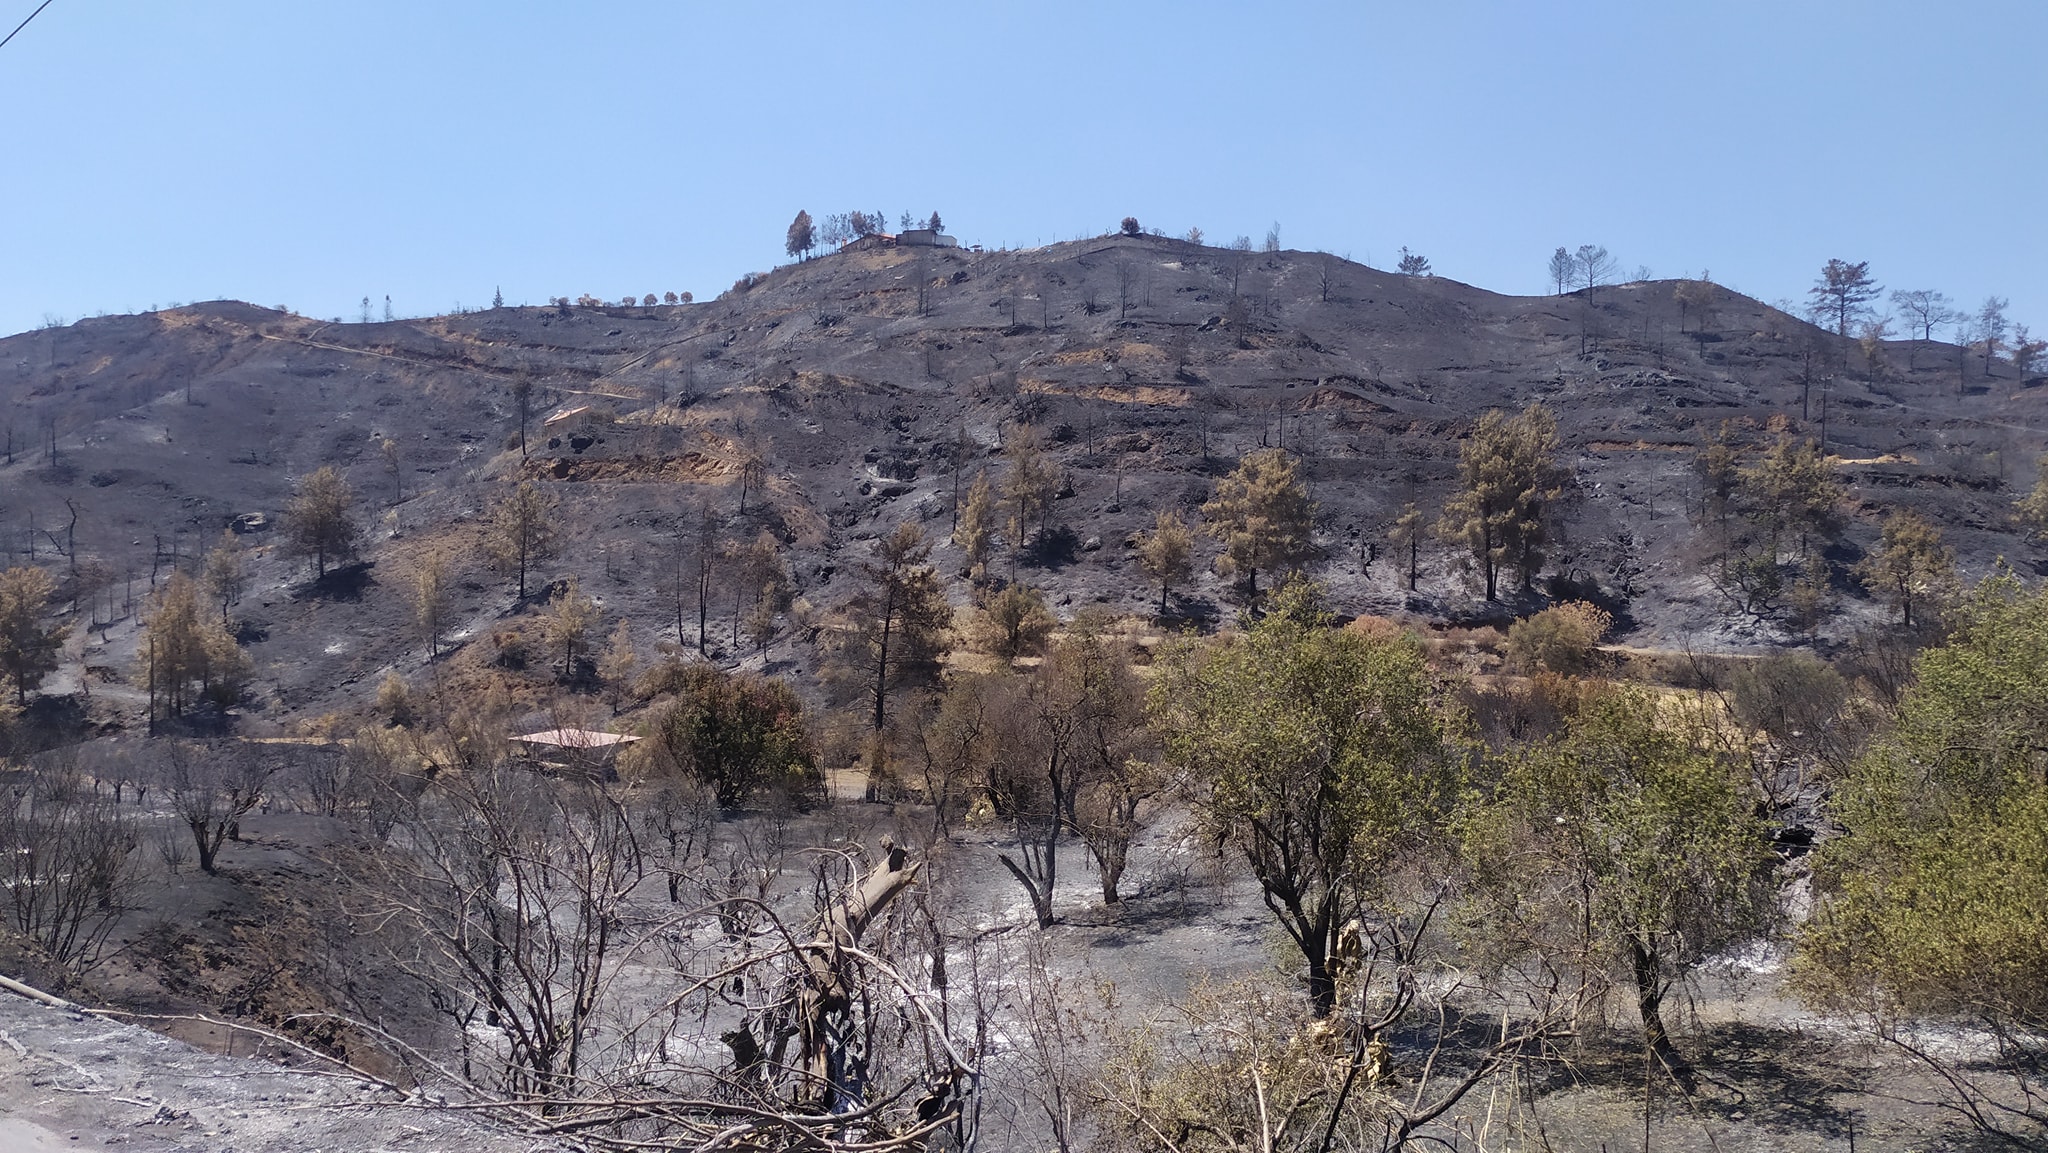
[1508, 714]
[843, 738]
[1708, 672]
[394, 700]
[1795, 697]
[511, 648]
[1468, 651]
[1672, 670]
[1560, 639]
[1376, 628]
[1012, 623]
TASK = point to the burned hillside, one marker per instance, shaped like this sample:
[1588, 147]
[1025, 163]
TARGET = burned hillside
[828, 401]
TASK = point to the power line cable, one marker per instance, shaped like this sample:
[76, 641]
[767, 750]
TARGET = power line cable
[24, 23]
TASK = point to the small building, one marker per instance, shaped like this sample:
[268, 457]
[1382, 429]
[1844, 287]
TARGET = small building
[570, 420]
[872, 240]
[590, 752]
[925, 238]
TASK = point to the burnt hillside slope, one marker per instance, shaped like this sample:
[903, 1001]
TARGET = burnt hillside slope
[871, 384]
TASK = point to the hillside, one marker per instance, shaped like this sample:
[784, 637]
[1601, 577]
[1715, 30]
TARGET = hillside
[421, 899]
[860, 378]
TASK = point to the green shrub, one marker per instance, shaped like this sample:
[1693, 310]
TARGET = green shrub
[744, 736]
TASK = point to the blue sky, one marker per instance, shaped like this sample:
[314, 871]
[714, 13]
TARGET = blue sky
[309, 153]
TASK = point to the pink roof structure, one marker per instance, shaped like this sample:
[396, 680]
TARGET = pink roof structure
[580, 740]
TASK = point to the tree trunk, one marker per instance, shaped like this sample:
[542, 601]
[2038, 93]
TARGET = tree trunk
[882, 662]
[1041, 898]
[1487, 561]
[703, 605]
[1322, 982]
[209, 848]
[820, 987]
[1650, 1003]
